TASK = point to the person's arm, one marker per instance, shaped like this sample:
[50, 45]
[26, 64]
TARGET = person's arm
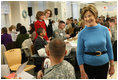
[10, 38]
[79, 55]
[82, 72]
[57, 35]
[38, 45]
[110, 53]
[33, 35]
[40, 74]
[2, 40]
[18, 41]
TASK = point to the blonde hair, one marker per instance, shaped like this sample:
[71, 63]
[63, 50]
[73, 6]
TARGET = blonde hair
[12, 27]
[90, 8]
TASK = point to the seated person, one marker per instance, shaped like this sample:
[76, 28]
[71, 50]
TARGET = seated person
[5, 37]
[60, 33]
[39, 43]
[22, 36]
[59, 69]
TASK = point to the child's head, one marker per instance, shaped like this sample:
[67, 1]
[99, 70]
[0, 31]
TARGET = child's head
[56, 49]
[41, 32]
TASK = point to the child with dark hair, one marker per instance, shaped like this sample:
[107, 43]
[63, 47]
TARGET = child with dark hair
[39, 43]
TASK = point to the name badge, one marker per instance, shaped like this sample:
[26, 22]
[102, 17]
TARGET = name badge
[61, 34]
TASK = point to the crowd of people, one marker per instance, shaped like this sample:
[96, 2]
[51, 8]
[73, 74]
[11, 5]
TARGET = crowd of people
[97, 37]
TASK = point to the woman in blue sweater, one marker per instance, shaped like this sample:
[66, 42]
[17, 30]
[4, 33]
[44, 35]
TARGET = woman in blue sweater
[94, 49]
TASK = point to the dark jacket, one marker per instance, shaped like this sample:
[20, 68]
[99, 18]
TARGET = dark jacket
[49, 29]
[39, 43]
[38, 61]
[20, 39]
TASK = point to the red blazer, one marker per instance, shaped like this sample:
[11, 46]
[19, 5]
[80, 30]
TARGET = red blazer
[40, 24]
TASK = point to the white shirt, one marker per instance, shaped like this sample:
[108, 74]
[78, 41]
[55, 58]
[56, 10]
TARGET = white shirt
[46, 22]
[55, 26]
[14, 35]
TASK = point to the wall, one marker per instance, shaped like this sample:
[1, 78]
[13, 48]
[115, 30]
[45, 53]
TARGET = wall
[78, 9]
[14, 12]
[24, 6]
[75, 10]
[64, 10]
[5, 11]
[68, 9]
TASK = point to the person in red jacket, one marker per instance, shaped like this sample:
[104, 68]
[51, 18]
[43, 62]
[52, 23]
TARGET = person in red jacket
[40, 23]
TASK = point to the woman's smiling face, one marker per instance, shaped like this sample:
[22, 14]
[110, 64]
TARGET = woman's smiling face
[89, 19]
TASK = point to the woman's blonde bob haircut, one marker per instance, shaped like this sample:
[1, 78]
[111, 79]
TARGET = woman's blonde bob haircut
[90, 8]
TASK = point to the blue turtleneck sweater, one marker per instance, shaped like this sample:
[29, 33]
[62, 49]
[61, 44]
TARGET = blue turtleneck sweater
[92, 39]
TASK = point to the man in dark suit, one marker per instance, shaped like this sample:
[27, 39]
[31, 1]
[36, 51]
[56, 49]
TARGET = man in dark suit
[39, 43]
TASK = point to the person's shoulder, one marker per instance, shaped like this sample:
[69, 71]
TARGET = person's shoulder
[27, 34]
[102, 27]
[67, 65]
[38, 38]
[19, 35]
[36, 22]
[34, 32]
[83, 31]
[56, 30]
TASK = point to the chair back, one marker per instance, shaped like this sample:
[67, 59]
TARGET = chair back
[13, 56]
[27, 43]
[11, 45]
[26, 46]
[3, 49]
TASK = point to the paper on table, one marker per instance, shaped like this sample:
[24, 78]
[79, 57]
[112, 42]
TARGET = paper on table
[21, 68]
[73, 43]
[25, 75]
[5, 70]
[42, 53]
